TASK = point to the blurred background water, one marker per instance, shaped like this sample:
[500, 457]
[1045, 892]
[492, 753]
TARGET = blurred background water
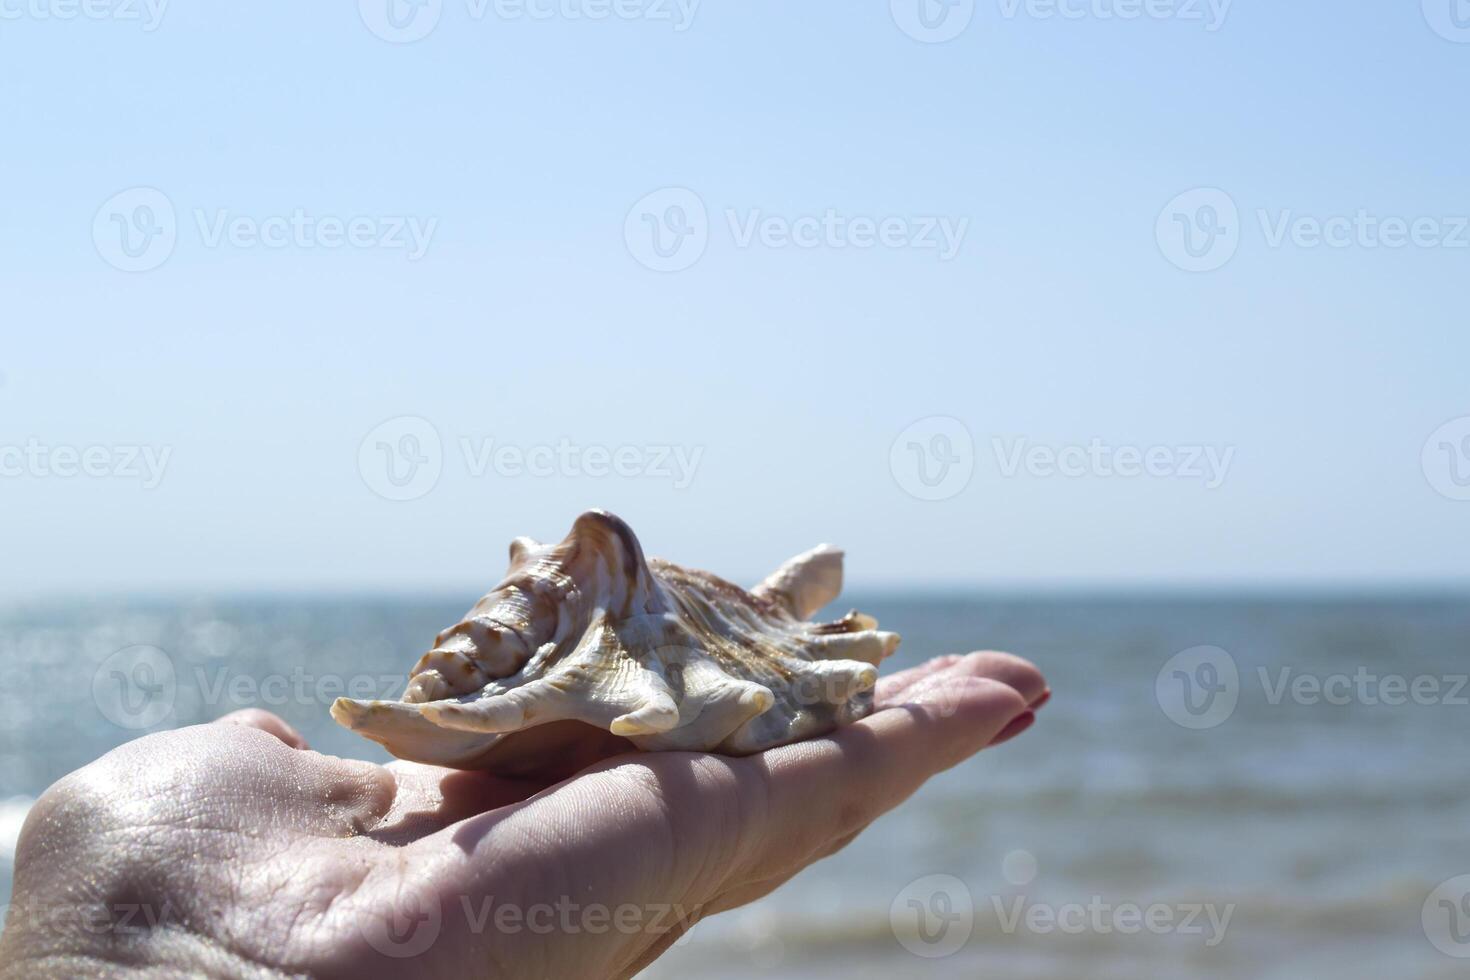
[1322, 828]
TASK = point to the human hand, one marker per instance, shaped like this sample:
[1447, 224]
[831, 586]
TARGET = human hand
[230, 849]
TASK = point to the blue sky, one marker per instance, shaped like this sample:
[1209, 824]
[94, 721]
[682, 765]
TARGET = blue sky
[528, 152]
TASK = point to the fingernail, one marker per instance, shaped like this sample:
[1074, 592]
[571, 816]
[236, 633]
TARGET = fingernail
[1016, 726]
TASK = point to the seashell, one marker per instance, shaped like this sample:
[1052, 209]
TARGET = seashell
[588, 632]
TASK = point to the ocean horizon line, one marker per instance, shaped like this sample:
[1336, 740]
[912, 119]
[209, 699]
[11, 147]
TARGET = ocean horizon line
[1068, 590]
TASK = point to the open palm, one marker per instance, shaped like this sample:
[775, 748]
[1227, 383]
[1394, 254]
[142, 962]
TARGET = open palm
[232, 850]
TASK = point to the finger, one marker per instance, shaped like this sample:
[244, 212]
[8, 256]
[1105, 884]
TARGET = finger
[746, 894]
[319, 793]
[825, 789]
[356, 795]
[266, 722]
[891, 686]
[1010, 670]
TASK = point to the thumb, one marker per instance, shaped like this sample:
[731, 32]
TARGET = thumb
[266, 722]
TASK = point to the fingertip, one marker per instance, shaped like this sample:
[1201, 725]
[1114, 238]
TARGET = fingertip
[1007, 668]
[363, 791]
[367, 792]
[264, 721]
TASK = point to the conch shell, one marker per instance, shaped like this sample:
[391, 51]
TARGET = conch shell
[671, 658]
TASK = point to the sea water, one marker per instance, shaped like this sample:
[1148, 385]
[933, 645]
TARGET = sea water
[1163, 817]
